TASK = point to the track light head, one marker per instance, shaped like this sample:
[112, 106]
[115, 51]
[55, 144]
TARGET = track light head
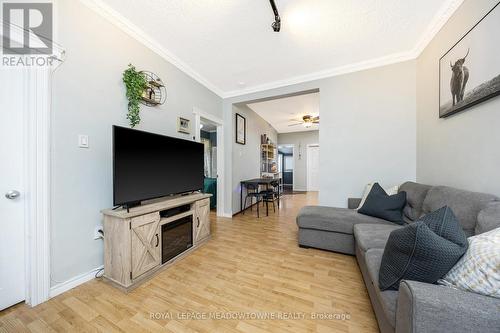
[277, 19]
[276, 25]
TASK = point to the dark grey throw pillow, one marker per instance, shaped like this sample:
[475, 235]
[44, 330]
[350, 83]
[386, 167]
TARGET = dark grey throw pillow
[380, 204]
[423, 251]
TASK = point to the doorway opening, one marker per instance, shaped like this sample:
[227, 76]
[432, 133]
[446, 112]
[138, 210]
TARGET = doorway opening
[286, 167]
[209, 130]
[208, 136]
[287, 123]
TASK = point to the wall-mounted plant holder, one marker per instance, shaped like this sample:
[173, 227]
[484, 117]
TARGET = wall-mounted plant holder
[155, 92]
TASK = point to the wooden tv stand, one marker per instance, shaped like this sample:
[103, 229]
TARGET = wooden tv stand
[132, 239]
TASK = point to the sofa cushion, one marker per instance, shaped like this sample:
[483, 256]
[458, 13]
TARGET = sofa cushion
[422, 251]
[388, 207]
[332, 219]
[369, 236]
[388, 298]
[415, 195]
[479, 269]
[489, 218]
[466, 205]
[368, 188]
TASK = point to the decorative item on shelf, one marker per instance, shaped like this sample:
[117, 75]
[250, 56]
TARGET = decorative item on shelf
[135, 83]
[269, 166]
[241, 129]
[183, 125]
[155, 92]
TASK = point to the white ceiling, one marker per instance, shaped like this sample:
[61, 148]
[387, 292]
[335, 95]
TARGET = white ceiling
[208, 127]
[285, 150]
[279, 112]
[229, 45]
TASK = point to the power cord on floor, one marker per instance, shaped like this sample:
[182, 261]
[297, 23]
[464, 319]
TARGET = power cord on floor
[99, 273]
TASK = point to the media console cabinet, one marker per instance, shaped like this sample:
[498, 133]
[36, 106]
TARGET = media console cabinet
[140, 242]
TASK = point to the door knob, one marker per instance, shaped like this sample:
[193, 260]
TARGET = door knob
[12, 194]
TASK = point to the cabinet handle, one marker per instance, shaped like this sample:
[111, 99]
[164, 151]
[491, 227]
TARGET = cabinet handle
[157, 240]
[197, 226]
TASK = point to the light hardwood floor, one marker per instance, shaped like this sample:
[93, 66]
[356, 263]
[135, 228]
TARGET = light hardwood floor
[250, 266]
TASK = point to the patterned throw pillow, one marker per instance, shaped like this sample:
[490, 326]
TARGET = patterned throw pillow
[422, 251]
[479, 269]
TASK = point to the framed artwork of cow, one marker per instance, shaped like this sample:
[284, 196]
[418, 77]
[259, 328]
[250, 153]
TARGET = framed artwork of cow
[469, 73]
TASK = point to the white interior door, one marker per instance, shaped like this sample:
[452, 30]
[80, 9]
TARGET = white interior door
[12, 260]
[313, 168]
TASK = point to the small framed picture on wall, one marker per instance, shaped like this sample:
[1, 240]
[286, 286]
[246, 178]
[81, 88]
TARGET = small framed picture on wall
[241, 129]
[183, 125]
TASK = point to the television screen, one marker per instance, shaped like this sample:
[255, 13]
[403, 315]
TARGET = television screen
[148, 166]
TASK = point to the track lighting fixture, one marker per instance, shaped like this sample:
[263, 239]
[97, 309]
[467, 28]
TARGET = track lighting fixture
[277, 19]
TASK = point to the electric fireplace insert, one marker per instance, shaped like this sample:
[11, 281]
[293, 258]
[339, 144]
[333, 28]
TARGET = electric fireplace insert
[176, 237]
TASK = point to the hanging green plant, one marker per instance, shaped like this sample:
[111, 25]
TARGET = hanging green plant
[135, 82]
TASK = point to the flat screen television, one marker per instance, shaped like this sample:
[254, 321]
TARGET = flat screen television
[148, 166]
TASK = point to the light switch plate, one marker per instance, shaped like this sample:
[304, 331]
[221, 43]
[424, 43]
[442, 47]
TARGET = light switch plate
[83, 141]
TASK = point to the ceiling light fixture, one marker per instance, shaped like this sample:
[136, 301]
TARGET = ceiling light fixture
[277, 19]
[307, 121]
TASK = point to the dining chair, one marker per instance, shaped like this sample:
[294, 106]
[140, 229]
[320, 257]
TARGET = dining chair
[270, 196]
[252, 192]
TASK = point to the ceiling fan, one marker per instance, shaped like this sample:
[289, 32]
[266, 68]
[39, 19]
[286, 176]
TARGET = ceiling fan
[306, 120]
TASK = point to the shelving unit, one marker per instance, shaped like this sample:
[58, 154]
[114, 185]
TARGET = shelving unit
[268, 163]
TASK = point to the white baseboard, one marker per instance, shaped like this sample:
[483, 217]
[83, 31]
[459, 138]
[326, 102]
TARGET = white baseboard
[73, 282]
[299, 189]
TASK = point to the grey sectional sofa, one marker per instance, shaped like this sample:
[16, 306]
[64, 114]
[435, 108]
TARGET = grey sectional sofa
[416, 307]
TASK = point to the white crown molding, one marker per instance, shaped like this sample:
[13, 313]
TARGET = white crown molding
[441, 17]
[437, 23]
[351, 68]
[135, 32]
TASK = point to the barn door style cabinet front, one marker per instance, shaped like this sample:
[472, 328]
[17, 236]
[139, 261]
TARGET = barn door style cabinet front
[150, 237]
[202, 229]
[145, 242]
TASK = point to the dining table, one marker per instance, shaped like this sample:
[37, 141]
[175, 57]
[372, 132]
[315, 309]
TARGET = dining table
[256, 182]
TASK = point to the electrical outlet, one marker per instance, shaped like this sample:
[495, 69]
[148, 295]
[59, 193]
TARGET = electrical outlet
[83, 141]
[98, 232]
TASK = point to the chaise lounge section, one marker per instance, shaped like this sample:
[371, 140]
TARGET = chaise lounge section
[416, 306]
[331, 228]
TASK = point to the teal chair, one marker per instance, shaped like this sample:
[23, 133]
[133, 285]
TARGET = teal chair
[210, 186]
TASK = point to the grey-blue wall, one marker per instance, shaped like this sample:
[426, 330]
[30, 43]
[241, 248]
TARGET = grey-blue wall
[212, 136]
[367, 129]
[300, 140]
[245, 159]
[462, 150]
[88, 98]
